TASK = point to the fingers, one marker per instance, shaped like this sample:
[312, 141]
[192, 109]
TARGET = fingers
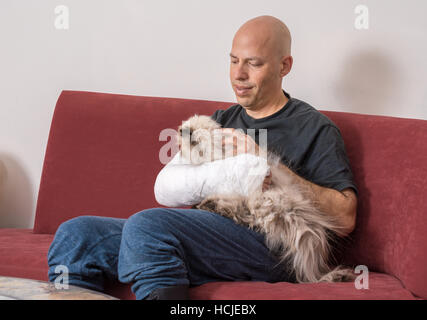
[265, 186]
[241, 142]
[267, 182]
[233, 143]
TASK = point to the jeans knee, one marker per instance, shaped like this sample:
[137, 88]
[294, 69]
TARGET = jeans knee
[69, 236]
[145, 221]
[79, 232]
[82, 225]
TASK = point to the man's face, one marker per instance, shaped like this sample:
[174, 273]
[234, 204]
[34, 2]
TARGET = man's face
[254, 70]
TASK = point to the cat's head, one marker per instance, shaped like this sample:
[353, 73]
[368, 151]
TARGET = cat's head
[193, 135]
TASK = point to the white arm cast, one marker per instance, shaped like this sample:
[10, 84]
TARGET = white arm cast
[180, 183]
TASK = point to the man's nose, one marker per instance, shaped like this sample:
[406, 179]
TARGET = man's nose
[240, 72]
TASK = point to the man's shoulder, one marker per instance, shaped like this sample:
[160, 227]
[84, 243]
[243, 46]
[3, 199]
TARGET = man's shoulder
[307, 113]
[224, 114]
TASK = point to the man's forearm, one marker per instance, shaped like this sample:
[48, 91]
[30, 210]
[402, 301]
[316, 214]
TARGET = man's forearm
[330, 201]
[341, 205]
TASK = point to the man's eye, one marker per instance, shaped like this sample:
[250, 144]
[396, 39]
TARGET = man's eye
[256, 64]
[233, 62]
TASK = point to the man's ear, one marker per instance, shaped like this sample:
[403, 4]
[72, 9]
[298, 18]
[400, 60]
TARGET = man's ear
[286, 65]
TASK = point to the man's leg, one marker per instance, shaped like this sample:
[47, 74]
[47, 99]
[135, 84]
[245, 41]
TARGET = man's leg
[163, 247]
[89, 247]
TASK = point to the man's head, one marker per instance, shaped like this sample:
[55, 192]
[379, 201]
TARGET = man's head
[260, 58]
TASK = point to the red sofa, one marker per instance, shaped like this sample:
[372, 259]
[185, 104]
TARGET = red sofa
[102, 159]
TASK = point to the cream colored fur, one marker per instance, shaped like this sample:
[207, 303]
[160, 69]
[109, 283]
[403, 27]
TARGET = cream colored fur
[294, 228]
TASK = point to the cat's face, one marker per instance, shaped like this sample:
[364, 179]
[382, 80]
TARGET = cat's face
[195, 137]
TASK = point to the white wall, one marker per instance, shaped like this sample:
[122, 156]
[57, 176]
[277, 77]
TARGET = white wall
[180, 49]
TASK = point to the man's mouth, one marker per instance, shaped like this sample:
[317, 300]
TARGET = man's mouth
[242, 90]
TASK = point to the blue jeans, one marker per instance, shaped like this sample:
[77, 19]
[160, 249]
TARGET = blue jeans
[161, 247]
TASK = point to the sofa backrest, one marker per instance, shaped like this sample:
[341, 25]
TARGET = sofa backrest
[388, 156]
[102, 159]
[102, 155]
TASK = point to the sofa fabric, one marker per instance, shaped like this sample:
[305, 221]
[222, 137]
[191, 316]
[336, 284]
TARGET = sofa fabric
[24, 255]
[102, 156]
[102, 159]
[389, 160]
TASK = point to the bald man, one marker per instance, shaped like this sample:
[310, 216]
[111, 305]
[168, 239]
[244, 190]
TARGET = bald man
[164, 251]
[260, 58]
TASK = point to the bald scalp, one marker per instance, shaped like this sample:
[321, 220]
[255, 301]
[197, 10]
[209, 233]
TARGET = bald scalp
[273, 30]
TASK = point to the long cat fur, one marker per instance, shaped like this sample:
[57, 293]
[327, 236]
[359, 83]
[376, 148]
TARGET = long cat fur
[294, 228]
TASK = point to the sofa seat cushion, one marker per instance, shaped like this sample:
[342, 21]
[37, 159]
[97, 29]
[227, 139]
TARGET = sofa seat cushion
[381, 286]
[24, 254]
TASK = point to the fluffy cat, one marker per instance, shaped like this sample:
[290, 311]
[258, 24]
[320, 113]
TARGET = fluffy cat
[295, 230]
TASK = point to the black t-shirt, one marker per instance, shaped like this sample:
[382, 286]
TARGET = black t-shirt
[308, 142]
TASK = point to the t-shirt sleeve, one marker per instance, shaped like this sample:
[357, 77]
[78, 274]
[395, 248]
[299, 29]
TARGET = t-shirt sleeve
[217, 116]
[327, 162]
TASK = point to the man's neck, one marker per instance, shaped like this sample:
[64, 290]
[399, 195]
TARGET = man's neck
[269, 109]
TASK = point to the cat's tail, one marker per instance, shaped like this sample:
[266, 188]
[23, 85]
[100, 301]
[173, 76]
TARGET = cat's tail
[339, 274]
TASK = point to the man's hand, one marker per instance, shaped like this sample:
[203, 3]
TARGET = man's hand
[267, 182]
[236, 142]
